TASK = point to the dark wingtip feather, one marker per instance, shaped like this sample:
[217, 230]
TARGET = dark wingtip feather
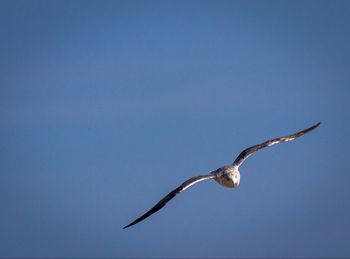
[131, 224]
[312, 127]
[315, 126]
[134, 222]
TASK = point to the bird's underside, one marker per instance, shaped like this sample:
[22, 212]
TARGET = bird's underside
[227, 176]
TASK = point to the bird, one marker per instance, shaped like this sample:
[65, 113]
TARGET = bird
[227, 176]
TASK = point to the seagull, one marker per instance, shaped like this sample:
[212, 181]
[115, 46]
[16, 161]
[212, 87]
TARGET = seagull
[227, 176]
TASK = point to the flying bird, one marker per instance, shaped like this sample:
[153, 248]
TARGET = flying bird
[227, 176]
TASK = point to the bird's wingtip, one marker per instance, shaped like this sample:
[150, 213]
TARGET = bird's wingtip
[315, 125]
[131, 224]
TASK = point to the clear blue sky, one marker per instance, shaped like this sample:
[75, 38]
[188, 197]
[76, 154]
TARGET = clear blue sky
[105, 106]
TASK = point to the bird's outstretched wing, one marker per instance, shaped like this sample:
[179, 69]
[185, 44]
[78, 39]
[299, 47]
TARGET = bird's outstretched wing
[247, 152]
[171, 195]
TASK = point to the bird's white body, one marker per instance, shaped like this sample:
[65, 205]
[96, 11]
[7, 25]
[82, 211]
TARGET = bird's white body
[228, 176]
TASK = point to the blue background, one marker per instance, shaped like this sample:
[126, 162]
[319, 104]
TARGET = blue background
[106, 106]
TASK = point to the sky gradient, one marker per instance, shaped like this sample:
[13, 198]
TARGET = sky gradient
[106, 106]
